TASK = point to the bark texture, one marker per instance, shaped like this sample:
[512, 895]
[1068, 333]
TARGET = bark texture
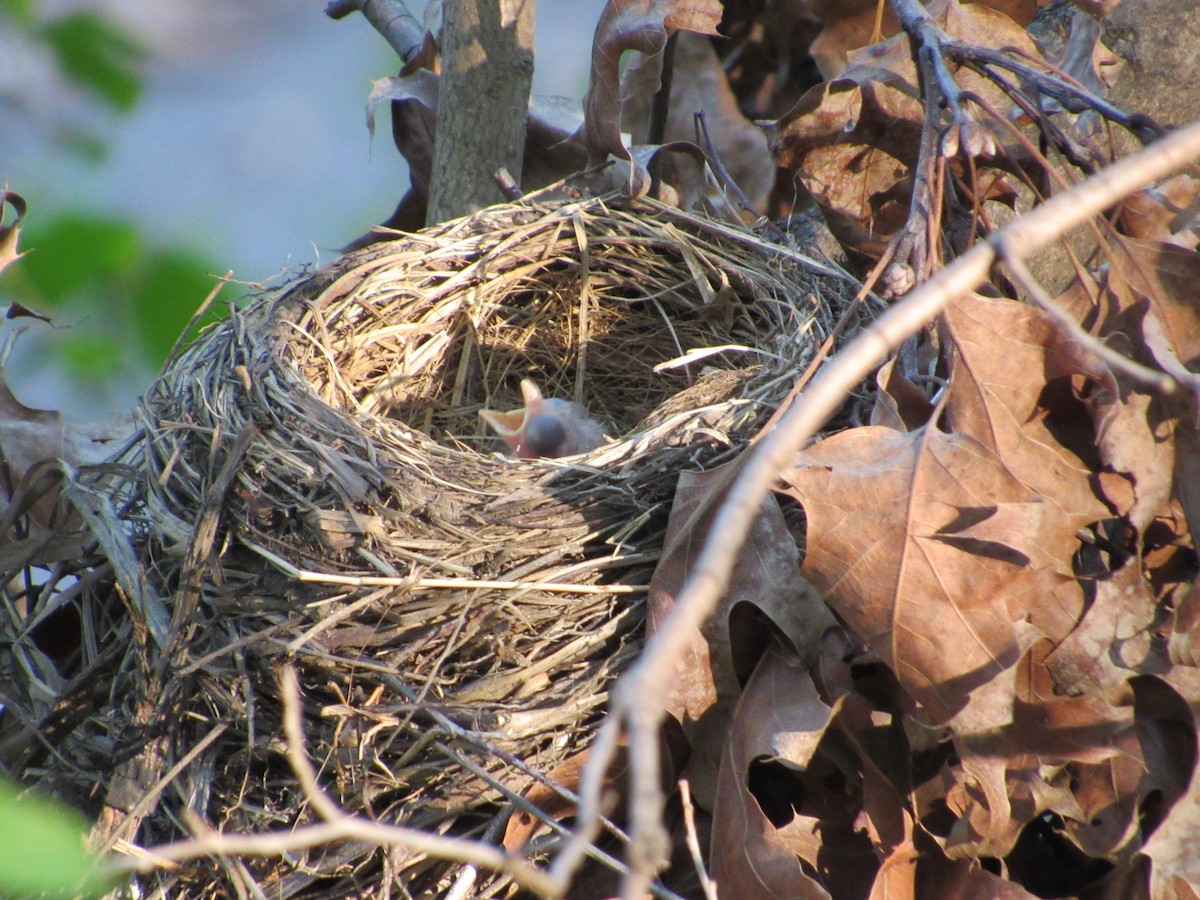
[483, 103]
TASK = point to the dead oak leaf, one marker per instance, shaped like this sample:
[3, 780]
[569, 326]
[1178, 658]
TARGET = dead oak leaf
[1010, 762]
[1154, 758]
[899, 404]
[10, 233]
[1174, 847]
[765, 842]
[644, 26]
[1010, 389]
[29, 437]
[965, 879]
[1117, 637]
[867, 123]
[766, 578]
[849, 24]
[1143, 305]
[699, 86]
[1165, 212]
[889, 545]
[1013, 387]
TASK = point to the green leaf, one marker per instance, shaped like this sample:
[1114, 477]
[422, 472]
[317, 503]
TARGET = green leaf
[75, 251]
[97, 55]
[20, 10]
[43, 848]
[94, 357]
[171, 287]
[81, 143]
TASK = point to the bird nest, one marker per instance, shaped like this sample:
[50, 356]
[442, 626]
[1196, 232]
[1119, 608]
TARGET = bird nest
[311, 486]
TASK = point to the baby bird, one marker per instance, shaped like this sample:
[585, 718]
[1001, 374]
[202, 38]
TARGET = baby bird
[545, 427]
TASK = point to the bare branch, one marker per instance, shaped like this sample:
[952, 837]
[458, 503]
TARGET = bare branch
[693, 841]
[391, 18]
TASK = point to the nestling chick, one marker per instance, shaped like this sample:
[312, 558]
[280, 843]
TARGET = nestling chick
[545, 427]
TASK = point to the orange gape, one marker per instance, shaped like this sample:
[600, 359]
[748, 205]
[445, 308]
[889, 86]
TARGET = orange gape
[545, 427]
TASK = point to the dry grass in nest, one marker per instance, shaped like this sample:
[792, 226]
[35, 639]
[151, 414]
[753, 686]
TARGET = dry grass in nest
[312, 486]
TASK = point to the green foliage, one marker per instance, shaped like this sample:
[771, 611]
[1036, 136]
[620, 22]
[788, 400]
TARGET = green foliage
[171, 284]
[98, 56]
[128, 299]
[135, 298]
[42, 848]
[21, 11]
[77, 251]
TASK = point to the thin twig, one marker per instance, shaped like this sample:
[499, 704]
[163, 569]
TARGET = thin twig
[465, 882]
[338, 825]
[638, 698]
[723, 176]
[660, 108]
[1020, 273]
[1073, 97]
[693, 841]
[914, 244]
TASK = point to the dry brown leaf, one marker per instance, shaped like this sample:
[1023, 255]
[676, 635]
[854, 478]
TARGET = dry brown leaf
[766, 578]
[850, 24]
[1012, 389]
[550, 152]
[780, 717]
[644, 26]
[699, 85]
[897, 877]
[1174, 847]
[1008, 775]
[899, 404]
[523, 825]
[1155, 757]
[31, 436]
[854, 139]
[10, 233]
[1183, 645]
[884, 764]
[888, 546]
[965, 880]
[1165, 276]
[1164, 213]
[1138, 440]
[852, 144]
[1145, 308]
[1117, 637]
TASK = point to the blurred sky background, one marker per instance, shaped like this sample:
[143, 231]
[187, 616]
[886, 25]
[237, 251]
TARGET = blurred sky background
[248, 146]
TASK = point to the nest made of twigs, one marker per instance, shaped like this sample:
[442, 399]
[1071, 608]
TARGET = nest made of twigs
[313, 486]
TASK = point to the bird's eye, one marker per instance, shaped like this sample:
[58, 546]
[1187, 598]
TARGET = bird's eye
[544, 435]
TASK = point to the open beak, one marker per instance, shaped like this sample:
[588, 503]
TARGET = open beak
[511, 425]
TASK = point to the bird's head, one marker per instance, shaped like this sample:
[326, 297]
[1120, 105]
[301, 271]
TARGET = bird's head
[544, 427]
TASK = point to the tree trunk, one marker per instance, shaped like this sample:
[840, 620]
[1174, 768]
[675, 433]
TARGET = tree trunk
[483, 103]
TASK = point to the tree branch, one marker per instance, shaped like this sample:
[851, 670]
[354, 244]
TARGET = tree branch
[391, 18]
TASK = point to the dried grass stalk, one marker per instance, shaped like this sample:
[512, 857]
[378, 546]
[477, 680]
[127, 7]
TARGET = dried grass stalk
[311, 483]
